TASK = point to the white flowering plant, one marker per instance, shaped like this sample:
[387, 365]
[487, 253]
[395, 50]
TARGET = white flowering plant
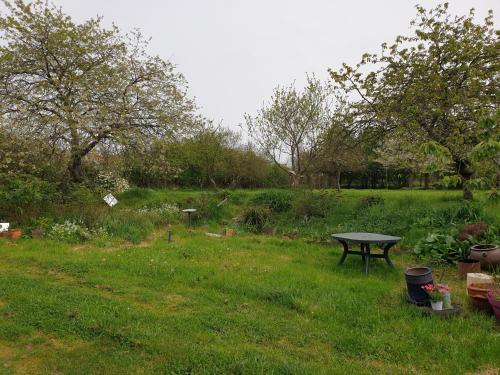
[110, 182]
[168, 212]
[74, 232]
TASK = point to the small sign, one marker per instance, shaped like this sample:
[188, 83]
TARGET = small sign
[4, 227]
[110, 200]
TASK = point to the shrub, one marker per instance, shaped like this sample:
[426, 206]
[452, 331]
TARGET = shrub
[69, 231]
[109, 182]
[207, 207]
[276, 200]
[311, 204]
[254, 219]
[24, 196]
[442, 247]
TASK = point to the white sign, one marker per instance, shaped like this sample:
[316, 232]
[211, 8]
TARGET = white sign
[110, 200]
[4, 227]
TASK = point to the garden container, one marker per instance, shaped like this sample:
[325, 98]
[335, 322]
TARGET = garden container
[494, 300]
[466, 266]
[14, 234]
[437, 305]
[37, 233]
[478, 296]
[447, 300]
[479, 278]
[416, 277]
[488, 254]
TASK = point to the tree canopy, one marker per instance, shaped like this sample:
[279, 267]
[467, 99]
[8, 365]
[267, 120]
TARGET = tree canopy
[75, 86]
[436, 84]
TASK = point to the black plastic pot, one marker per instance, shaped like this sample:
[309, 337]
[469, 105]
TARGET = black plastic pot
[416, 277]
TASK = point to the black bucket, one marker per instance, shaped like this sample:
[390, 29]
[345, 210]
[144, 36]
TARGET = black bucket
[416, 277]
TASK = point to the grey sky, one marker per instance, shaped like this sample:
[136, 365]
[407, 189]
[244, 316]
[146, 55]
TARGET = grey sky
[233, 53]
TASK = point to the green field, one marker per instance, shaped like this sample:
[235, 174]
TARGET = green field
[250, 304]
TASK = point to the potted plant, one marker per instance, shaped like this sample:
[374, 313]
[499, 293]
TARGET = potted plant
[465, 264]
[435, 296]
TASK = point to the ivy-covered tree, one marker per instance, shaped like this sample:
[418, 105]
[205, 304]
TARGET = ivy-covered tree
[435, 84]
[79, 85]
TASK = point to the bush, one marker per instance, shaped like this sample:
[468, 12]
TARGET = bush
[207, 207]
[442, 247]
[311, 204]
[276, 200]
[254, 219]
[69, 231]
[25, 196]
[109, 182]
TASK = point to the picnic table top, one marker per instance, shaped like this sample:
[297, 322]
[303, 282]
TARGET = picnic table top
[361, 237]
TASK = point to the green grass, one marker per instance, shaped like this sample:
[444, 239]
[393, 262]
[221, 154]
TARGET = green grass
[250, 304]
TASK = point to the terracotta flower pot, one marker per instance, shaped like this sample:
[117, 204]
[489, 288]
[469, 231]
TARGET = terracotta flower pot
[488, 254]
[466, 266]
[494, 300]
[478, 296]
[14, 234]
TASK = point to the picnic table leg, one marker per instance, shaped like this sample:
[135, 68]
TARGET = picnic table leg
[346, 249]
[386, 254]
[367, 257]
[362, 245]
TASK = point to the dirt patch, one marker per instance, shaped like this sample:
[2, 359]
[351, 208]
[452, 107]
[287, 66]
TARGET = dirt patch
[11, 358]
[487, 371]
[173, 300]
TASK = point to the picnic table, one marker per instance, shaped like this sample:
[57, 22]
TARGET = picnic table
[365, 239]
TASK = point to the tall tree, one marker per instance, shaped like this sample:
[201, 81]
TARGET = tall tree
[291, 124]
[79, 85]
[435, 84]
[339, 148]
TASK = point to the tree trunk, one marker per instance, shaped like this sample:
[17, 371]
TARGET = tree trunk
[77, 154]
[337, 179]
[75, 168]
[465, 171]
[426, 180]
[410, 181]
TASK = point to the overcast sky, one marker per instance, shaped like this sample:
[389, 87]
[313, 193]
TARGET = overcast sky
[234, 52]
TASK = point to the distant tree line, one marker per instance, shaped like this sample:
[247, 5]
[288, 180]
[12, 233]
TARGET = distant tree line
[80, 100]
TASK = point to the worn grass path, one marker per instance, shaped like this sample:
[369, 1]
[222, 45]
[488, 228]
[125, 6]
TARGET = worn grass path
[241, 305]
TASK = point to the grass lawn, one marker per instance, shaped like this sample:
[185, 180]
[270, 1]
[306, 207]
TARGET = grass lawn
[250, 304]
